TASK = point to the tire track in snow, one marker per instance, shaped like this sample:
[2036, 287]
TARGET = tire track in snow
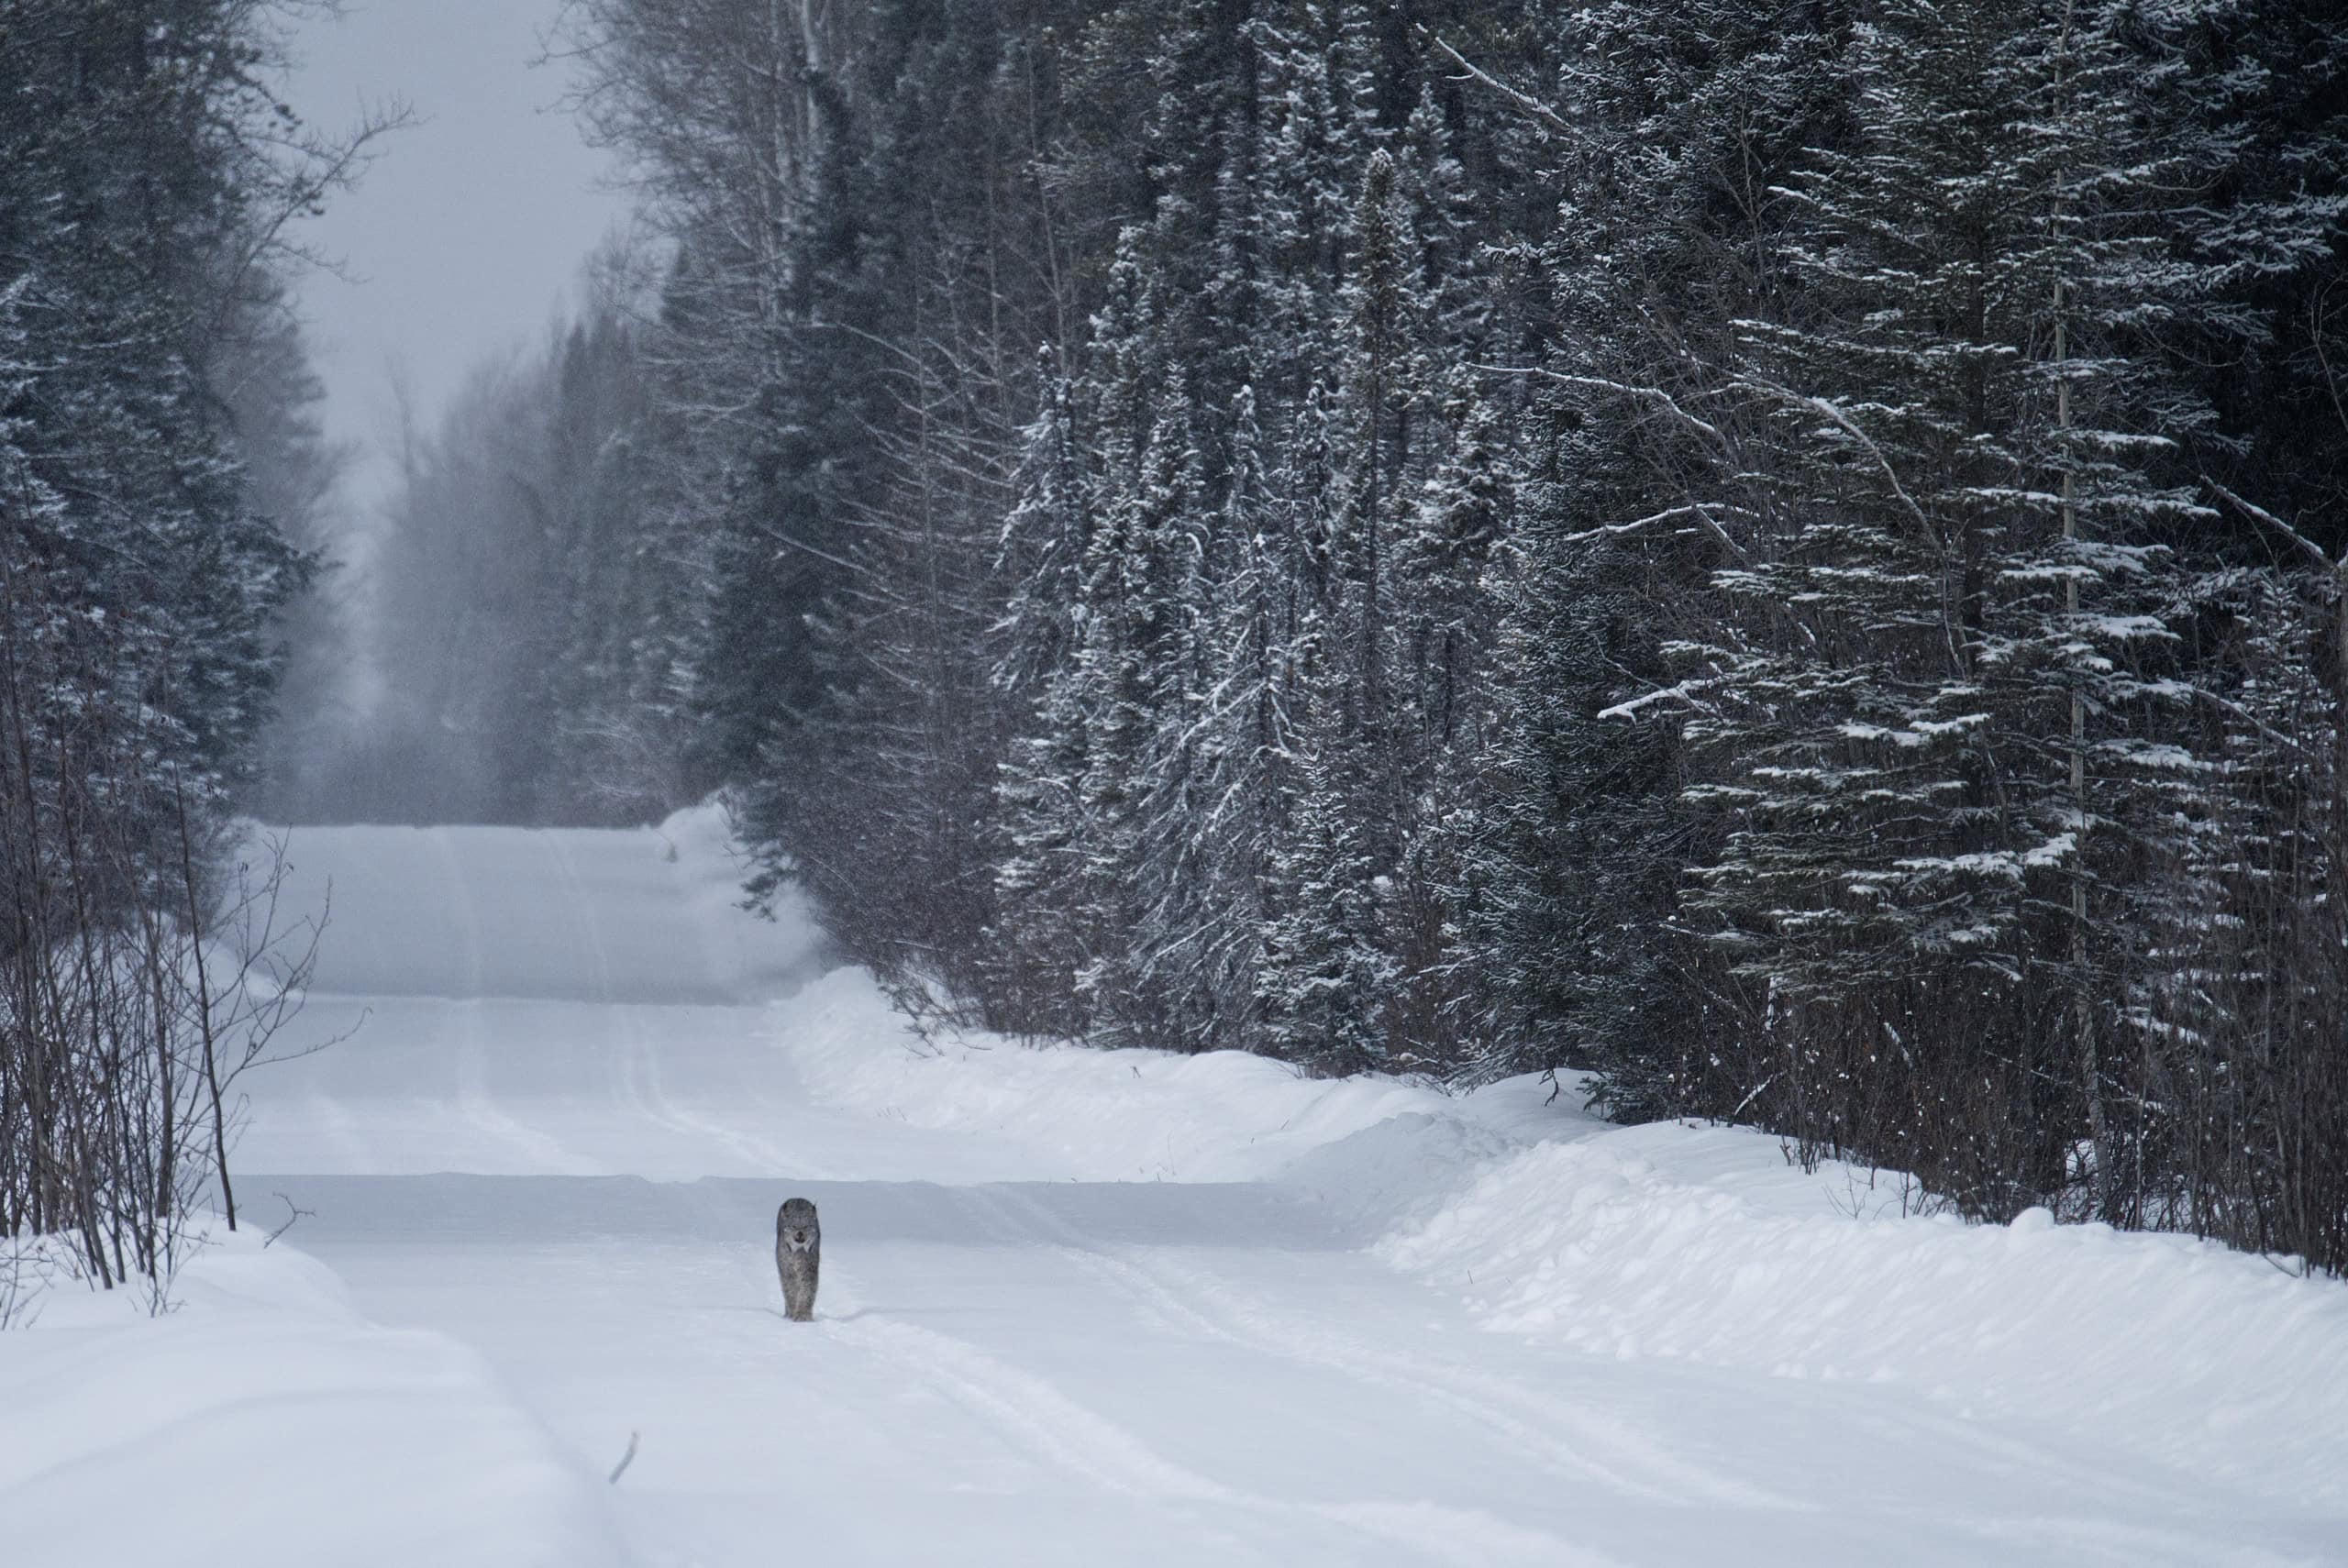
[461, 910]
[758, 1157]
[637, 1070]
[542, 1152]
[636, 1090]
[1560, 1436]
[1529, 1422]
[1067, 1437]
[636, 1064]
[581, 908]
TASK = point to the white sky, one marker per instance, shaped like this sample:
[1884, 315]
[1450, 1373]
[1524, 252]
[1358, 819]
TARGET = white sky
[467, 232]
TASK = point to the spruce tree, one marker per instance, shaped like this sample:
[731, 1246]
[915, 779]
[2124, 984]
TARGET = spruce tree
[1942, 734]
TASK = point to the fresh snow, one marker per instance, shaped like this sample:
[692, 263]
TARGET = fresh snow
[266, 1423]
[1083, 1308]
[1703, 1245]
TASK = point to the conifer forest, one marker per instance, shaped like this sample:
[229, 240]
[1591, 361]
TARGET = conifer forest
[1790, 556]
[162, 486]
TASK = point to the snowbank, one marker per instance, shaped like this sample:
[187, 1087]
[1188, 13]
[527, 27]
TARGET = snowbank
[1704, 1245]
[1698, 1245]
[264, 1423]
[1691, 1243]
[1133, 1115]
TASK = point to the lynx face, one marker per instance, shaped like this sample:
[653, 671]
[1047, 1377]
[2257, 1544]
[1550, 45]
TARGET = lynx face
[796, 1227]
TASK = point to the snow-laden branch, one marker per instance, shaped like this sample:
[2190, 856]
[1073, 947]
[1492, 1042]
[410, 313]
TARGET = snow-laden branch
[1697, 510]
[2260, 515]
[1627, 389]
[1531, 105]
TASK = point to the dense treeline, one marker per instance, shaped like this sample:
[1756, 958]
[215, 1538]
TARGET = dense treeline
[159, 467]
[1790, 555]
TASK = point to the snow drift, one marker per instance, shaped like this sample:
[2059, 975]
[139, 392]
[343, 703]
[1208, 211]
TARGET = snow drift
[1133, 1115]
[1704, 1245]
[263, 1423]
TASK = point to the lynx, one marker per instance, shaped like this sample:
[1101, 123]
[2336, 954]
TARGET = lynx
[798, 1251]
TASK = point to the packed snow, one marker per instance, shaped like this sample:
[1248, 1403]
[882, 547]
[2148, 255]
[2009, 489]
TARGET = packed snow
[1084, 1307]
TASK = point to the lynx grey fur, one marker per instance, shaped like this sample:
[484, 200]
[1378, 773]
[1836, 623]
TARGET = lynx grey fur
[798, 1252]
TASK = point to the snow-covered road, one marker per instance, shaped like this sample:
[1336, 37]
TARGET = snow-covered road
[1084, 1373]
[579, 1083]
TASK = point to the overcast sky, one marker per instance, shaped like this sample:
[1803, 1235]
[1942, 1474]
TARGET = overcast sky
[467, 234]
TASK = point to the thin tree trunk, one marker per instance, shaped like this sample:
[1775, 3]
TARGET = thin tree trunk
[204, 1007]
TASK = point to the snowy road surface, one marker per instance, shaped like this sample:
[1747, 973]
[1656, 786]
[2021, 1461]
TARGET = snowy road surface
[579, 1083]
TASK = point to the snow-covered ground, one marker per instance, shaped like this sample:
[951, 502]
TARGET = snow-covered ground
[265, 1424]
[1084, 1308]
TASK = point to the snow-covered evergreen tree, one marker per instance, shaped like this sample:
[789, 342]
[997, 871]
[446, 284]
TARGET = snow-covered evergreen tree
[1326, 977]
[1940, 721]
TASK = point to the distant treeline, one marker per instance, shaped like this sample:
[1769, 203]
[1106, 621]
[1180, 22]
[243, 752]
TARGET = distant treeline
[1792, 555]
